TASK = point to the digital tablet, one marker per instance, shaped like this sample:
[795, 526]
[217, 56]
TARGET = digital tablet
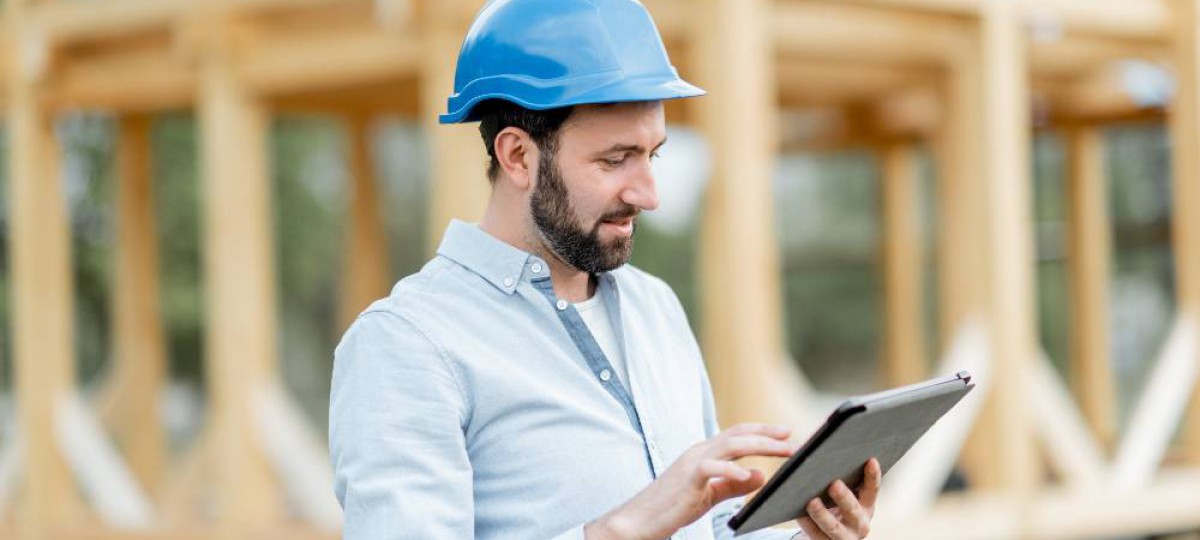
[883, 425]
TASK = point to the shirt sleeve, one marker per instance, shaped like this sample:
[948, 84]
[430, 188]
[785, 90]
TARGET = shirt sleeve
[396, 435]
[723, 511]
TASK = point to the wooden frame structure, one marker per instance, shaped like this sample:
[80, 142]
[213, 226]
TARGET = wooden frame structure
[961, 75]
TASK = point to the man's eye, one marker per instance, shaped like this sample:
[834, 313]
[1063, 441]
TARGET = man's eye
[614, 162]
[655, 155]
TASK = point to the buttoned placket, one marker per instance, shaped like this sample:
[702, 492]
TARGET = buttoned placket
[594, 356]
[650, 433]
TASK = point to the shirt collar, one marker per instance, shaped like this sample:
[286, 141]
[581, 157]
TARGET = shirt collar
[501, 264]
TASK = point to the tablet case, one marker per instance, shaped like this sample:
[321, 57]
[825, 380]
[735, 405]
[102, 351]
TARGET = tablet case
[882, 425]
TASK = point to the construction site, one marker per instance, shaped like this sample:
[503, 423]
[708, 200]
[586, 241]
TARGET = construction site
[948, 110]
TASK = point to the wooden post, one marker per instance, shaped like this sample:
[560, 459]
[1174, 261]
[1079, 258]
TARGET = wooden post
[1185, 134]
[366, 275]
[42, 295]
[739, 260]
[139, 348]
[1013, 318]
[1089, 244]
[904, 331]
[240, 276]
[962, 258]
[458, 162]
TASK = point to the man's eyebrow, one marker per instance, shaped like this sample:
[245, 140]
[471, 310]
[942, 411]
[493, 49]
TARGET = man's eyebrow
[636, 148]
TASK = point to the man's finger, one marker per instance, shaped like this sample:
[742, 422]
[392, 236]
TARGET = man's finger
[751, 445]
[811, 530]
[853, 516]
[774, 431]
[718, 468]
[872, 478]
[825, 520]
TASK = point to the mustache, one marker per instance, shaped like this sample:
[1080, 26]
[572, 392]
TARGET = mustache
[627, 211]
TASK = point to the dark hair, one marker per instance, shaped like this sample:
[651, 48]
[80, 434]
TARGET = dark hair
[542, 126]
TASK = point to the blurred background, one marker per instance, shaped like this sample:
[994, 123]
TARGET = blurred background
[199, 196]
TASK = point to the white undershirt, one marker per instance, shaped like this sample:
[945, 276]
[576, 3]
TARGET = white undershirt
[594, 312]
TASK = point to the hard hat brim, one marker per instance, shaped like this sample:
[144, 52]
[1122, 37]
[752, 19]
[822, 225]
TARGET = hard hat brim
[619, 91]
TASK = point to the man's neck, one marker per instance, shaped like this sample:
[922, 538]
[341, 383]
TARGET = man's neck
[570, 283]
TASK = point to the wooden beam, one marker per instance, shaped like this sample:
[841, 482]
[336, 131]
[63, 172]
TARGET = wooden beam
[1185, 159]
[963, 259]
[366, 273]
[1060, 514]
[807, 83]
[903, 262]
[842, 31]
[1075, 55]
[42, 295]
[1160, 409]
[136, 82]
[139, 344]
[1142, 20]
[739, 260]
[1070, 446]
[241, 346]
[66, 22]
[151, 79]
[315, 60]
[458, 162]
[1006, 159]
[1089, 244]
[962, 211]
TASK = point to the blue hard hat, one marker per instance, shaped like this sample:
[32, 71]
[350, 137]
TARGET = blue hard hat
[543, 54]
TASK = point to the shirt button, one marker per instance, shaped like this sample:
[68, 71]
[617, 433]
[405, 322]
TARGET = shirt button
[537, 268]
[605, 375]
[508, 282]
[561, 305]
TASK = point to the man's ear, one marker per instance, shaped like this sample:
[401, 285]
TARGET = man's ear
[517, 154]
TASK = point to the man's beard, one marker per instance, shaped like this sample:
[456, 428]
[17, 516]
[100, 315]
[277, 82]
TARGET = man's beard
[554, 217]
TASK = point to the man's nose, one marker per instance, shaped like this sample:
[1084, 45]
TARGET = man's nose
[641, 191]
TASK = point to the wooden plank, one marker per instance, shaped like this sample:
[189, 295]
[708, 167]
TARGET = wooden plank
[831, 82]
[1060, 514]
[241, 347]
[458, 162]
[962, 254]
[1006, 159]
[139, 81]
[366, 275]
[842, 31]
[1070, 447]
[1160, 409]
[1185, 133]
[69, 22]
[1142, 20]
[739, 260]
[42, 297]
[139, 343]
[282, 63]
[903, 261]
[1089, 244]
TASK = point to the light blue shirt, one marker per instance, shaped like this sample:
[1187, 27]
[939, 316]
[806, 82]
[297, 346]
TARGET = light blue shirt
[473, 403]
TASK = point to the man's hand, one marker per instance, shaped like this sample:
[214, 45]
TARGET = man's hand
[703, 476]
[851, 520]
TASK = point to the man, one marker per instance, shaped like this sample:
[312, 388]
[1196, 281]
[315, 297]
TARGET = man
[527, 383]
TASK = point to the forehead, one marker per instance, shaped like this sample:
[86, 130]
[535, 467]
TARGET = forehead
[637, 123]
